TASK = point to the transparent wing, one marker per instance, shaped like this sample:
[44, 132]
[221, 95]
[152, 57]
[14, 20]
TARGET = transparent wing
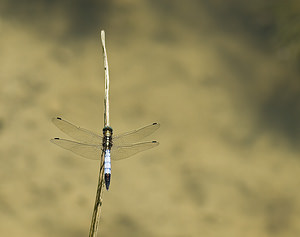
[77, 133]
[135, 135]
[122, 152]
[92, 152]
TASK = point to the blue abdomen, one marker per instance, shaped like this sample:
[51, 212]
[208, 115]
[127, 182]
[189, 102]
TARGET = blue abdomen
[107, 168]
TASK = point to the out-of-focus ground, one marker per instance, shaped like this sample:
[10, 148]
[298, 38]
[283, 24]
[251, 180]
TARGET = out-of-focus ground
[222, 78]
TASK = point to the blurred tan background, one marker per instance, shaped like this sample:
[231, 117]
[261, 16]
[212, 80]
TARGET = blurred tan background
[221, 78]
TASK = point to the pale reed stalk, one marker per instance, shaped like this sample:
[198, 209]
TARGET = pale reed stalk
[98, 200]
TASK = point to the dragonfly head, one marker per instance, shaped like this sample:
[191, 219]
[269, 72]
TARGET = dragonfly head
[107, 131]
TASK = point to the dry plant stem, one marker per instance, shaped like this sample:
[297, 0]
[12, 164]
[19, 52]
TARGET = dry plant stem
[98, 201]
[106, 97]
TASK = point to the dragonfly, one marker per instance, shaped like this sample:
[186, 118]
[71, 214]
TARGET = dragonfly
[92, 146]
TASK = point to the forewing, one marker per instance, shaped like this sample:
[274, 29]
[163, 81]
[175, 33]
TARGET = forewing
[92, 152]
[123, 152]
[135, 135]
[79, 134]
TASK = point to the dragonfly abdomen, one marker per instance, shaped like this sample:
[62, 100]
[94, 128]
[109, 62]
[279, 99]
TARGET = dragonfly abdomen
[107, 168]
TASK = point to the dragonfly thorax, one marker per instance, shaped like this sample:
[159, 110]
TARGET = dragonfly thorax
[107, 138]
